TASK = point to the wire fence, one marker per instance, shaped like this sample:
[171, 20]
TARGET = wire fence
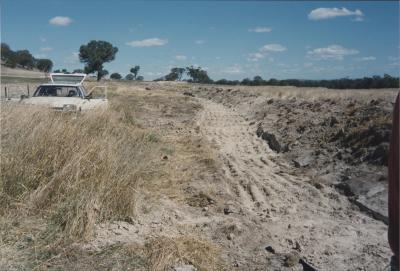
[16, 90]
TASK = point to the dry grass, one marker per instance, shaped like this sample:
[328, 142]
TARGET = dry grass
[61, 173]
[78, 168]
[164, 253]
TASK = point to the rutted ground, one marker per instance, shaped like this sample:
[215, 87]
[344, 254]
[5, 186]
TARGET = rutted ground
[319, 225]
[216, 197]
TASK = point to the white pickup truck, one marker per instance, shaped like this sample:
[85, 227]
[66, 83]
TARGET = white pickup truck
[66, 93]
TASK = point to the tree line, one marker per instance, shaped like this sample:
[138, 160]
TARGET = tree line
[198, 75]
[195, 75]
[23, 59]
[96, 53]
[375, 81]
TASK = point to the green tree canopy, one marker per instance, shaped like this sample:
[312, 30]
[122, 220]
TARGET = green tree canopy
[44, 65]
[25, 59]
[135, 71]
[179, 72]
[129, 77]
[6, 51]
[115, 75]
[95, 54]
[198, 75]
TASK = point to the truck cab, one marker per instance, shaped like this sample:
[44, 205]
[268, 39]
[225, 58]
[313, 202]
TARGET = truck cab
[66, 93]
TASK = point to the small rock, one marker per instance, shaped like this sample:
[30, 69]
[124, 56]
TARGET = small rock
[147, 88]
[270, 249]
[184, 267]
[297, 246]
[270, 138]
[304, 160]
[228, 210]
[317, 185]
[28, 238]
[165, 157]
[129, 220]
[188, 94]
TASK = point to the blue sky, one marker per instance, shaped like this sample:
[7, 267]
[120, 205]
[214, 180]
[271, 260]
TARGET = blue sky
[230, 40]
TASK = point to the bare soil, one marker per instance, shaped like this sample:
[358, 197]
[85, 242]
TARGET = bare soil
[228, 201]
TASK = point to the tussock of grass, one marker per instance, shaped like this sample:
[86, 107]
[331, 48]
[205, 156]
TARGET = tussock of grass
[164, 253]
[77, 168]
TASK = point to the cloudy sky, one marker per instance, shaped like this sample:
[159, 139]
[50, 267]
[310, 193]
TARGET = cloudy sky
[230, 40]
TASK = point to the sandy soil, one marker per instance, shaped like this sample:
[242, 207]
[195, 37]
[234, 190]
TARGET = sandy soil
[321, 225]
[249, 201]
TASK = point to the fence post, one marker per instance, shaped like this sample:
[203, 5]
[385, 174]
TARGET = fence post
[5, 92]
[27, 86]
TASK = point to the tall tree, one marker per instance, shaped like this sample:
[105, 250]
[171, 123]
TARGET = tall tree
[44, 65]
[6, 51]
[135, 71]
[25, 59]
[198, 75]
[179, 72]
[95, 54]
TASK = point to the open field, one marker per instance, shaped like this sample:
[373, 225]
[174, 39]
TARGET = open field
[23, 74]
[177, 176]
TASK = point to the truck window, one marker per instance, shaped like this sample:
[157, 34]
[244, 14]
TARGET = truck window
[58, 91]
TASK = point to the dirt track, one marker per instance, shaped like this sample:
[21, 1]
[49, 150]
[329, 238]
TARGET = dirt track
[320, 225]
[221, 187]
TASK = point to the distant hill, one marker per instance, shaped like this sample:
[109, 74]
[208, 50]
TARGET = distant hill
[19, 72]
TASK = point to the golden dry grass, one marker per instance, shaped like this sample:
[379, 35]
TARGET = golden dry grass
[80, 168]
[61, 173]
[164, 253]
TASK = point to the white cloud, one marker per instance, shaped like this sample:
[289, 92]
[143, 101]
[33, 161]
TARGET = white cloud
[335, 52]
[255, 56]
[329, 13]
[72, 59]
[147, 42]
[46, 49]
[199, 41]
[217, 57]
[263, 52]
[358, 19]
[180, 57]
[273, 48]
[60, 21]
[261, 29]
[39, 56]
[366, 58]
[235, 69]
[42, 39]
